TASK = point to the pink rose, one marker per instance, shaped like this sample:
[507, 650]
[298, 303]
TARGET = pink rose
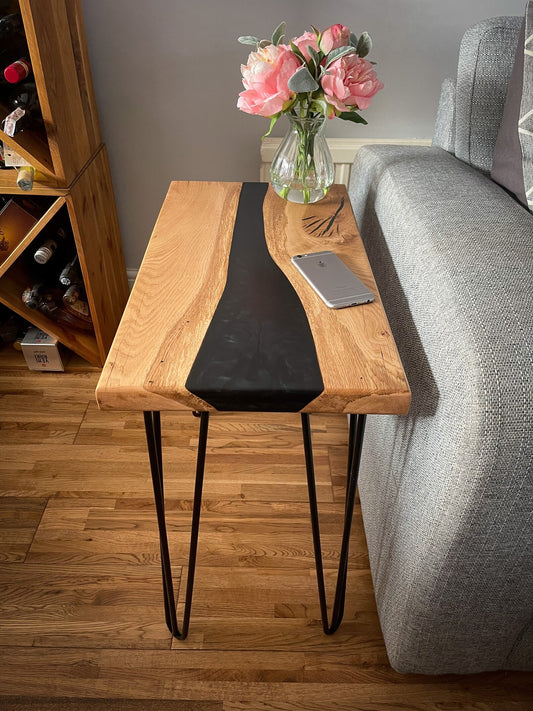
[308, 38]
[334, 37]
[265, 79]
[350, 83]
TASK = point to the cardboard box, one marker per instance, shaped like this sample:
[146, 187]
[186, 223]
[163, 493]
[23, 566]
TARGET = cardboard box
[15, 223]
[42, 351]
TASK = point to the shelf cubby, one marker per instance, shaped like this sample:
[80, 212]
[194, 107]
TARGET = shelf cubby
[72, 170]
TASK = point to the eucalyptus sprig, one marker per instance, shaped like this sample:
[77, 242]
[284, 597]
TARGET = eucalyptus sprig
[277, 36]
[310, 89]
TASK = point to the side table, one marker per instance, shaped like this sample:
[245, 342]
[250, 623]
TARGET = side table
[219, 319]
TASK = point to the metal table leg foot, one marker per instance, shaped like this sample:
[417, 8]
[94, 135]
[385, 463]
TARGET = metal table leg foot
[357, 428]
[152, 423]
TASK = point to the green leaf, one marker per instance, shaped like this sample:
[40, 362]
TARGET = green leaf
[364, 45]
[311, 65]
[353, 39]
[317, 57]
[297, 52]
[248, 39]
[338, 53]
[273, 120]
[352, 116]
[302, 81]
[279, 33]
[318, 34]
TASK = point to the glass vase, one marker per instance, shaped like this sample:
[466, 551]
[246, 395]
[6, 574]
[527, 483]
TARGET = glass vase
[302, 169]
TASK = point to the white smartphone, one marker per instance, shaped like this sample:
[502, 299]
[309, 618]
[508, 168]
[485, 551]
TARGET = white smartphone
[329, 276]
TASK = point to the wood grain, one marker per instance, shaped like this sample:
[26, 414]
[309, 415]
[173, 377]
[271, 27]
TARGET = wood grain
[358, 358]
[80, 589]
[62, 83]
[173, 300]
[72, 165]
[30, 236]
[93, 215]
[179, 285]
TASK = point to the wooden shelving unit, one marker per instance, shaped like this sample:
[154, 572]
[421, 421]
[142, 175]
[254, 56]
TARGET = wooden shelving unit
[71, 166]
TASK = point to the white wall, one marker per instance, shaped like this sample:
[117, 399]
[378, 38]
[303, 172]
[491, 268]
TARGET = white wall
[167, 76]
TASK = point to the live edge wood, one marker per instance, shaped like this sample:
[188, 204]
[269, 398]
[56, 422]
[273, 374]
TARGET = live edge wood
[182, 278]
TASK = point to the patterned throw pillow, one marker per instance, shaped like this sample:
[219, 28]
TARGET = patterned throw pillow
[513, 156]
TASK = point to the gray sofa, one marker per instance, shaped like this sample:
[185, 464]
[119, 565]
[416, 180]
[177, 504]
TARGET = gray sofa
[447, 491]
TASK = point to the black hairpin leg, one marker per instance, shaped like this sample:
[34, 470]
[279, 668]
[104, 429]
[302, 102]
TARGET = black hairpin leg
[357, 429]
[152, 423]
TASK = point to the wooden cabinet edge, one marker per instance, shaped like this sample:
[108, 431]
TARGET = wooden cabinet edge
[56, 39]
[91, 206]
[75, 169]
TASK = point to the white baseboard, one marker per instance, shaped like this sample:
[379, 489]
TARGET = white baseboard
[343, 152]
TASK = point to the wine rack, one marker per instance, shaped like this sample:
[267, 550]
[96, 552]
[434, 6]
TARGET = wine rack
[72, 170]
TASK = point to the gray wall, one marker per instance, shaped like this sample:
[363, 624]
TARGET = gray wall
[167, 76]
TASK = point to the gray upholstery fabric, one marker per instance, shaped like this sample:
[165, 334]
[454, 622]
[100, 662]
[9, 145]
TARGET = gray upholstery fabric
[526, 108]
[444, 133]
[485, 61]
[447, 491]
[507, 161]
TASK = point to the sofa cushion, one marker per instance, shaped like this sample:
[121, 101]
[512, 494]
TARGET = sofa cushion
[486, 59]
[444, 133]
[446, 491]
[513, 155]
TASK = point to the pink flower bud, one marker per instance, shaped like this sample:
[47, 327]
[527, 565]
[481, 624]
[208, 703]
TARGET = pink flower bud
[334, 37]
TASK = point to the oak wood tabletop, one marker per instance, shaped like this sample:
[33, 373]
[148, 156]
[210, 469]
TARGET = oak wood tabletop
[218, 304]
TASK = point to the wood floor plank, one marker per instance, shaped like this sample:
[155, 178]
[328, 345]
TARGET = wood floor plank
[81, 615]
[19, 519]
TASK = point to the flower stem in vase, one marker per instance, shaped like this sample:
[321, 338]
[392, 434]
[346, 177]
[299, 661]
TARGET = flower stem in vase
[310, 78]
[302, 170]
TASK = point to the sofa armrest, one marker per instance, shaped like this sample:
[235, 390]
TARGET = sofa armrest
[444, 133]
[447, 491]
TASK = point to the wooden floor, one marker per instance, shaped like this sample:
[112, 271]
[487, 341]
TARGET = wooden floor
[80, 592]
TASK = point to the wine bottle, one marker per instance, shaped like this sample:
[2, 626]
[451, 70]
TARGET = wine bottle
[77, 309]
[26, 174]
[10, 53]
[49, 301]
[32, 297]
[45, 252]
[70, 273]
[11, 28]
[41, 297]
[25, 96]
[53, 242]
[16, 122]
[26, 111]
[72, 294]
[18, 70]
